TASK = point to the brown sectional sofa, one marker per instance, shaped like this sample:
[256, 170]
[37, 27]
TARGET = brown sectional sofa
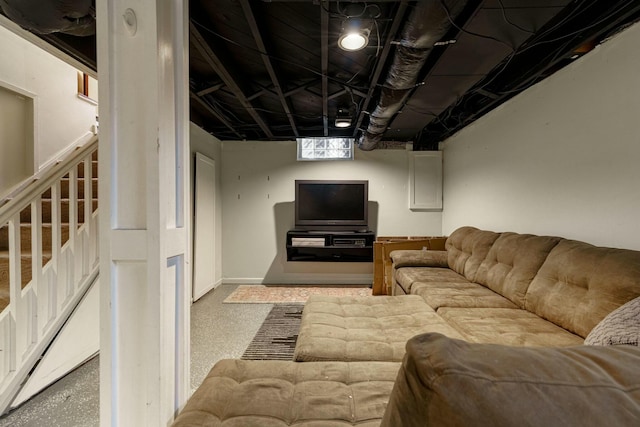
[519, 289]
[273, 393]
[486, 287]
[499, 321]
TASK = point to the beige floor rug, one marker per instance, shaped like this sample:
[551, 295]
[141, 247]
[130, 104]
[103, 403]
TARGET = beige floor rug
[273, 294]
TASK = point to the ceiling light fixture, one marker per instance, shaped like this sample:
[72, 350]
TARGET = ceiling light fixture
[354, 36]
[343, 119]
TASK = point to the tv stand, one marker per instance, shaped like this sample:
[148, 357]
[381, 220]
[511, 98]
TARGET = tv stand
[331, 231]
[330, 246]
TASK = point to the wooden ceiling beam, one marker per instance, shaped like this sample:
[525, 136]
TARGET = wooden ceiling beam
[214, 113]
[269, 90]
[210, 89]
[324, 50]
[214, 62]
[257, 37]
[301, 88]
[258, 94]
[337, 94]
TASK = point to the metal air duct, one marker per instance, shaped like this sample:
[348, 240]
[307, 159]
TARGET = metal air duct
[428, 23]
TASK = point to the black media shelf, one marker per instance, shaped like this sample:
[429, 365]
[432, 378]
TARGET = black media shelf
[330, 246]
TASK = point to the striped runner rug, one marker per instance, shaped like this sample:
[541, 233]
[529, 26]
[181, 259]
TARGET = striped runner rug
[276, 338]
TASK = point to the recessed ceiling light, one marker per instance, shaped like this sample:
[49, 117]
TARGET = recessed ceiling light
[343, 123]
[343, 118]
[355, 34]
[354, 40]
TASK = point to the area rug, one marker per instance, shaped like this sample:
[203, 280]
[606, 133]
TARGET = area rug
[276, 338]
[268, 294]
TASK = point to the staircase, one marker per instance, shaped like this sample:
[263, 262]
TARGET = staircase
[48, 259]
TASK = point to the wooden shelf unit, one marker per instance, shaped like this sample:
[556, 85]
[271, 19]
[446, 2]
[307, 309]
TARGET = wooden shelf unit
[330, 246]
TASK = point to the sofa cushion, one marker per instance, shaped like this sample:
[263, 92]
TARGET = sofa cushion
[579, 284]
[447, 382]
[620, 327]
[283, 393]
[418, 258]
[507, 326]
[466, 248]
[405, 277]
[364, 328]
[512, 263]
[457, 294]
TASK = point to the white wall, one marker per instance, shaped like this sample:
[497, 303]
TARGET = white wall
[16, 131]
[562, 158]
[258, 195]
[203, 142]
[62, 120]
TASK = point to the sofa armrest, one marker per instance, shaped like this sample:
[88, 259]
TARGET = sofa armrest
[382, 263]
[445, 381]
[415, 258]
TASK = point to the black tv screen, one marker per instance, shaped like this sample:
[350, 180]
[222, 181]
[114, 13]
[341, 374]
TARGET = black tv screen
[326, 205]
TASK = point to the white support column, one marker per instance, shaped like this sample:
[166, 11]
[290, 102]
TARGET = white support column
[143, 191]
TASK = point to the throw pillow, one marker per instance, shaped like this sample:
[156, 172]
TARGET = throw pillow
[621, 326]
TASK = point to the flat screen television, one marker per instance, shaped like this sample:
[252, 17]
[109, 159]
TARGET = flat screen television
[332, 205]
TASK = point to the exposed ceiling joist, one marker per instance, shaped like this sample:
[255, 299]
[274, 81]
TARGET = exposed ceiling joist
[260, 93]
[301, 88]
[272, 69]
[552, 47]
[337, 94]
[324, 66]
[210, 89]
[203, 47]
[267, 63]
[213, 112]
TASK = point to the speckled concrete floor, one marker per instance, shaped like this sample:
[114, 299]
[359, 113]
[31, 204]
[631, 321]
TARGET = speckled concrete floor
[221, 331]
[218, 331]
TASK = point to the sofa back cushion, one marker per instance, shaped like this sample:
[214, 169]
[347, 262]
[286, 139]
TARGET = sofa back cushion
[579, 284]
[466, 248]
[512, 263]
[448, 382]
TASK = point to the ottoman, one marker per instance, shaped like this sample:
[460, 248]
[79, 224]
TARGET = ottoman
[374, 328]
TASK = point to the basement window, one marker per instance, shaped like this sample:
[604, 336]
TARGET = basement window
[87, 88]
[325, 149]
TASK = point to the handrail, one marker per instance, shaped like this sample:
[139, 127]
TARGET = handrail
[38, 186]
[40, 303]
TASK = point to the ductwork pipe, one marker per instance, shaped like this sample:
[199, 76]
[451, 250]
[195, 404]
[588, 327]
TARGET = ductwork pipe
[427, 24]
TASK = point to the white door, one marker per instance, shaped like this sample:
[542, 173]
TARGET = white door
[204, 226]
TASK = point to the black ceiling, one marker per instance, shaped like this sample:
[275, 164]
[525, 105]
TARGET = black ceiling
[272, 70]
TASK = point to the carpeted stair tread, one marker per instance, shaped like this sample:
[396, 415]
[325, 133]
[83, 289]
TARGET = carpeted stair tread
[94, 169]
[4, 254]
[25, 215]
[26, 256]
[25, 268]
[64, 188]
[25, 236]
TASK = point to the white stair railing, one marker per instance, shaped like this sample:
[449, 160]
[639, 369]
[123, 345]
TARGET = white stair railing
[45, 284]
